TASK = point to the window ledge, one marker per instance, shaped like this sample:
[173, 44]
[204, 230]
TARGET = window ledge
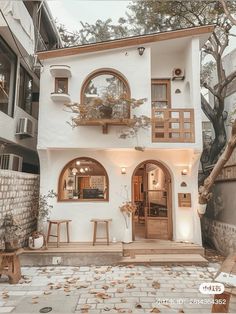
[60, 97]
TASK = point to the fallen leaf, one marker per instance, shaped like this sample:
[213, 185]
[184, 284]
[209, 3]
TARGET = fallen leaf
[120, 290]
[47, 292]
[105, 287]
[123, 300]
[181, 311]
[138, 306]
[156, 285]
[155, 310]
[130, 286]
[34, 302]
[102, 295]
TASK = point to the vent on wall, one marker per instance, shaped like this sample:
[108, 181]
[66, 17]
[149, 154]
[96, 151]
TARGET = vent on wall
[178, 74]
[25, 128]
[11, 162]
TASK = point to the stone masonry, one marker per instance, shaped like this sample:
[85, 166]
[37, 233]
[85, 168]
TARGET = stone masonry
[17, 191]
[221, 235]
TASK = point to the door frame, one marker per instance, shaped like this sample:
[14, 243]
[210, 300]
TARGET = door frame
[169, 194]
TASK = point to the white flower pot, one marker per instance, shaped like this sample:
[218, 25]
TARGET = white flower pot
[127, 235]
[37, 243]
[202, 208]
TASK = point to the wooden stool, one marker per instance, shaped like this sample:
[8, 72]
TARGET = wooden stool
[10, 265]
[96, 221]
[58, 225]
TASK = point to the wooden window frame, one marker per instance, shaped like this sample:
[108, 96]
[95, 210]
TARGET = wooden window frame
[167, 82]
[61, 183]
[104, 71]
[57, 79]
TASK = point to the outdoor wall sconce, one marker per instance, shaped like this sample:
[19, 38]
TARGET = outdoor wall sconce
[184, 172]
[123, 170]
[141, 50]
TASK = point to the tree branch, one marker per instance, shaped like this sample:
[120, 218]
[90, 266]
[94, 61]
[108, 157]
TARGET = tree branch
[229, 16]
[207, 109]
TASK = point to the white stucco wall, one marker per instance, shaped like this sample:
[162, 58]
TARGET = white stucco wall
[186, 223]
[138, 70]
[58, 143]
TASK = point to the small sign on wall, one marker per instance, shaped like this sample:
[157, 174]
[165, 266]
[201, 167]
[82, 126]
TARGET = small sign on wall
[184, 200]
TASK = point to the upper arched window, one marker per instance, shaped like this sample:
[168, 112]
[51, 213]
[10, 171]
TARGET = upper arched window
[83, 179]
[102, 88]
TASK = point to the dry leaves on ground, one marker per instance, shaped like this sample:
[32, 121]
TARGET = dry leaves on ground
[102, 295]
[156, 285]
[155, 310]
[130, 286]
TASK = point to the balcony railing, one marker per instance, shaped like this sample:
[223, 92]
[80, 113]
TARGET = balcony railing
[173, 125]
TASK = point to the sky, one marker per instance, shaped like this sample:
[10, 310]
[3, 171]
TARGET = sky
[71, 12]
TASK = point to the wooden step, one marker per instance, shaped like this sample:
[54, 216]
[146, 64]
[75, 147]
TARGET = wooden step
[161, 247]
[163, 259]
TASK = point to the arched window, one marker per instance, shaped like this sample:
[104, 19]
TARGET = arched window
[101, 88]
[83, 179]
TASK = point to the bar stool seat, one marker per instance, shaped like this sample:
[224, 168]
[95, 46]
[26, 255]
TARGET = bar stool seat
[96, 222]
[58, 227]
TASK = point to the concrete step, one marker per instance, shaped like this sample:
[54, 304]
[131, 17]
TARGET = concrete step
[164, 259]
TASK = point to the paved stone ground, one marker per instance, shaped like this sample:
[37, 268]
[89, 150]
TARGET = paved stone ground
[111, 289]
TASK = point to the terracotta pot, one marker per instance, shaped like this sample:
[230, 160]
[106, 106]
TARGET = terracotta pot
[11, 246]
[106, 112]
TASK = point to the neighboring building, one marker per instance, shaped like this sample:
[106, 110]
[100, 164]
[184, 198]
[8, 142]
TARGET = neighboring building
[25, 27]
[219, 224]
[91, 168]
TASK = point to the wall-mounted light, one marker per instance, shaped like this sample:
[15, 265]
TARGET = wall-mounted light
[123, 170]
[141, 50]
[184, 172]
[74, 171]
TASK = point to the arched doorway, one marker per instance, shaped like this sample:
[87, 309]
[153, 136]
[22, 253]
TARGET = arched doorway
[151, 192]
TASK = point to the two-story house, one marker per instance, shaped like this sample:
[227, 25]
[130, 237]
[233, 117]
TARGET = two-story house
[91, 167]
[25, 27]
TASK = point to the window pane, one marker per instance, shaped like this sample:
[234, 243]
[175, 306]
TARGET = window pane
[84, 179]
[100, 89]
[159, 94]
[26, 91]
[61, 85]
[7, 78]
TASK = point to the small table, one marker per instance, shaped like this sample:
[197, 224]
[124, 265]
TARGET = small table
[96, 221]
[228, 267]
[10, 265]
[58, 226]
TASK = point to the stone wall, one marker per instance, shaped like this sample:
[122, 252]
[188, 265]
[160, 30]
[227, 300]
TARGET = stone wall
[220, 235]
[17, 191]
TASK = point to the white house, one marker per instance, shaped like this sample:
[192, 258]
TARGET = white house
[25, 26]
[91, 168]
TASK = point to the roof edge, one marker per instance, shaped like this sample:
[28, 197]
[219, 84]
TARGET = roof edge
[125, 42]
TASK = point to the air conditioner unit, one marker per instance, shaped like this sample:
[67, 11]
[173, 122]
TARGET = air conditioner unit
[25, 128]
[11, 162]
[178, 74]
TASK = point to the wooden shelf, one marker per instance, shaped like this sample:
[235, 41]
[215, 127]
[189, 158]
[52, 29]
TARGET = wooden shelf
[104, 123]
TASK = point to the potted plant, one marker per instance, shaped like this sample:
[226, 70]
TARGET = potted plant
[127, 209]
[10, 233]
[42, 209]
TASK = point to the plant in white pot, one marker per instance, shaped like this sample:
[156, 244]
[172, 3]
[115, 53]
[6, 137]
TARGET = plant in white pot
[42, 209]
[127, 209]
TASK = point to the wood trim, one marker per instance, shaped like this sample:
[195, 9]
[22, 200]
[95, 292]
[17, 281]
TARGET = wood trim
[103, 71]
[57, 79]
[167, 82]
[60, 183]
[167, 130]
[169, 194]
[125, 42]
